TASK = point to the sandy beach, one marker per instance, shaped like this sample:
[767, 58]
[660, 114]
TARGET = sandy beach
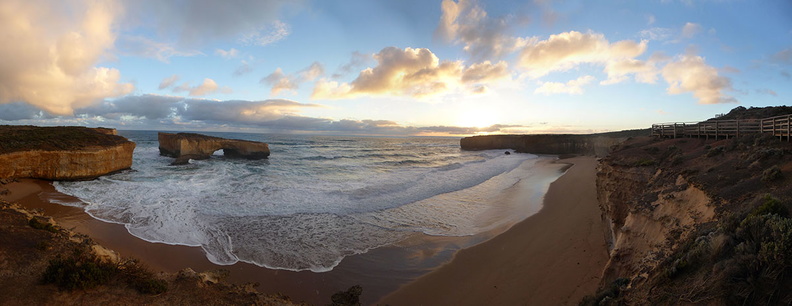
[552, 258]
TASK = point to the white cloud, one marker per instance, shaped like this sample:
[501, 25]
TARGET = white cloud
[266, 35]
[689, 73]
[412, 72]
[168, 82]
[51, 51]
[484, 37]
[567, 50]
[573, 87]
[145, 47]
[282, 82]
[690, 29]
[194, 23]
[207, 87]
[656, 33]
[279, 82]
[227, 54]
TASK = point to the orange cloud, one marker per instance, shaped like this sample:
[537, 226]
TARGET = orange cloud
[689, 73]
[51, 52]
[412, 72]
[564, 51]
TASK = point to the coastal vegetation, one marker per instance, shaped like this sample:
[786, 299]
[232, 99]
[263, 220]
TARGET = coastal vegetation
[742, 255]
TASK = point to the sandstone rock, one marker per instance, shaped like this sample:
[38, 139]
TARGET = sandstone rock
[185, 146]
[62, 153]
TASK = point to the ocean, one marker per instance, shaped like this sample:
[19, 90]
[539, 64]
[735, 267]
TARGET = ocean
[316, 200]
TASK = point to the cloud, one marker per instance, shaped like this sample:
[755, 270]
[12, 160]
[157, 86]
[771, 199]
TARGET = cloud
[279, 82]
[783, 57]
[18, 111]
[643, 71]
[193, 23]
[146, 47]
[51, 53]
[208, 86]
[168, 82]
[276, 115]
[275, 32]
[564, 51]
[573, 87]
[144, 106]
[689, 73]
[690, 29]
[484, 37]
[656, 33]
[411, 72]
[231, 53]
[485, 72]
[282, 82]
[356, 61]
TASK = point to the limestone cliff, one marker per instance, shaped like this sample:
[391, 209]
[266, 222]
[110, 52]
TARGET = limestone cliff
[62, 153]
[196, 146]
[697, 222]
[588, 144]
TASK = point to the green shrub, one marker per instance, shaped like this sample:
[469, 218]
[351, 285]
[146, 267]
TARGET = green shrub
[77, 273]
[38, 224]
[772, 174]
[716, 151]
[770, 206]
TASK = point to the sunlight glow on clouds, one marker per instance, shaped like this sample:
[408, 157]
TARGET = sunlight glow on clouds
[48, 57]
[689, 73]
[573, 87]
[412, 72]
[564, 51]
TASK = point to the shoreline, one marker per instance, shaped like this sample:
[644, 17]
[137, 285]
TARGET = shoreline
[554, 257]
[366, 269]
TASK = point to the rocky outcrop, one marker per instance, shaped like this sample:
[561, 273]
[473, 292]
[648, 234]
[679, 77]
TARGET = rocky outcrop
[589, 144]
[62, 153]
[184, 146]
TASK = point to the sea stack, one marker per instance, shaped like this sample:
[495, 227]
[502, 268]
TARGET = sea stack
[185, 146]
[62, 153]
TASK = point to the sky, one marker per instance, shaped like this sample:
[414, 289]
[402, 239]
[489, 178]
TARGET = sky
[375, 67]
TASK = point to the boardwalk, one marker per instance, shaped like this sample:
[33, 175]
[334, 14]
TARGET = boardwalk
[778, 126]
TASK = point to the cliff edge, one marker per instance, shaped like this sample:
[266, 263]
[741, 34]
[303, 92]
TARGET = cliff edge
[62, 153]
[694, 221]
[585, 144]
[184, 146]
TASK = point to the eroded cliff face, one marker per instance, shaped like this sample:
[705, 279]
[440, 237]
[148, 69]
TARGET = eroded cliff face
[695, 221]
[62, 153]
[649, 213]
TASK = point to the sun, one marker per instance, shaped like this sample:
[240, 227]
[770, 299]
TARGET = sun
[478, 118]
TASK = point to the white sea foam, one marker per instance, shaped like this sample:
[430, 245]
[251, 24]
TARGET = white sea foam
[315, 201]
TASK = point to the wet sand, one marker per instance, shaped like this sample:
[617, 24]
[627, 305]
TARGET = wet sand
[554, 257]
[384, 270]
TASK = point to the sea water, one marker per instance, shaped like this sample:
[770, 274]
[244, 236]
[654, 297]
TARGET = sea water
[316, 200]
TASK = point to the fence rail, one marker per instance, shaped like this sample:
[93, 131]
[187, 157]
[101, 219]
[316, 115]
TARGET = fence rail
[778, 126]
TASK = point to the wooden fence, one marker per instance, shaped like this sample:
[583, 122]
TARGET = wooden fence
[778, 126]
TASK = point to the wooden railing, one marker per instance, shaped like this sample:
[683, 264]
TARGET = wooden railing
[778, 126]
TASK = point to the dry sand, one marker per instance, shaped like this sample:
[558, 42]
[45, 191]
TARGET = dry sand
[552, 258]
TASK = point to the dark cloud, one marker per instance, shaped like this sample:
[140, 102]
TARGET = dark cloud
[169, 112]
[19, 111]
